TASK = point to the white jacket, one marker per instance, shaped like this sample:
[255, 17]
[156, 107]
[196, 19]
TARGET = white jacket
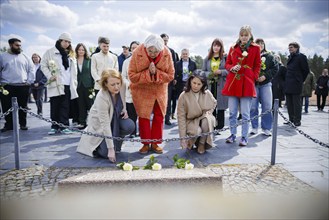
[125, 77]
[56, 88]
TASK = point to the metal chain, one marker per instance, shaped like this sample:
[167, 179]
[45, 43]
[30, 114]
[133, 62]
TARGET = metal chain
[216, 131]
[6, 113]
[302, 132]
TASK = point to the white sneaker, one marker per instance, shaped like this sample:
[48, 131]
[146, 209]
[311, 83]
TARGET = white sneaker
[267, 132]
[254, 131]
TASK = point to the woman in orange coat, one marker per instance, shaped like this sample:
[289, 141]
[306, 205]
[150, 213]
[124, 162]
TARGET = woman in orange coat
[243, 63]
[150, 70]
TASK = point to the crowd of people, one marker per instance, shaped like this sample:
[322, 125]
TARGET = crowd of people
[136, 93]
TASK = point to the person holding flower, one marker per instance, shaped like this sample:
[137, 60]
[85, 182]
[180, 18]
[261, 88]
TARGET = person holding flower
[150, 70]
[243, 63]
[59, 66]
[17, 73]
[108, 116]
[85, 84]
[269, 67]
[214, 68]
[183, 69]
[194, 113]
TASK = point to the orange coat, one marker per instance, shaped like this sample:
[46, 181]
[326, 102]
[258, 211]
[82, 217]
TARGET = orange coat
[146, 90]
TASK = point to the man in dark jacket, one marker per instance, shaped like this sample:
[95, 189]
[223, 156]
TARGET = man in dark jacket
[183, 69]
[171, 85]
[297, 71]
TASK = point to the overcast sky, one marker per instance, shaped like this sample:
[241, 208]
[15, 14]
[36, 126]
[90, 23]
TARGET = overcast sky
[189, 24]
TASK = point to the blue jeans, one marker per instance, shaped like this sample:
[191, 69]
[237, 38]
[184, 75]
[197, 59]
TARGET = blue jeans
[264, 97]
[233, 105]
[306, 103]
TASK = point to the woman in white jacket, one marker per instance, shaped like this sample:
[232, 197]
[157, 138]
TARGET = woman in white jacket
[59, 66]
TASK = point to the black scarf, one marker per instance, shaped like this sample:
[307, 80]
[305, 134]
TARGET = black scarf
[62, 51]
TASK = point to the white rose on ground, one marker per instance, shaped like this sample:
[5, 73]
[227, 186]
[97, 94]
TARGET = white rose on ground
[189, 166]
[127, 167]
[245, 53]
[156, 166]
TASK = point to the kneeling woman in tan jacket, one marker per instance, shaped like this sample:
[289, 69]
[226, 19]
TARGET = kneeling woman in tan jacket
[195, 107]
[107, 116]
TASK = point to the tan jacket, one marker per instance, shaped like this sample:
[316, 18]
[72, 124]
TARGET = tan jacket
[146, 90]
[99, 122]
[190, 112]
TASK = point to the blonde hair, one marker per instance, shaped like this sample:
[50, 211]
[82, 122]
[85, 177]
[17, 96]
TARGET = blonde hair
[245, 28]
[109, 73]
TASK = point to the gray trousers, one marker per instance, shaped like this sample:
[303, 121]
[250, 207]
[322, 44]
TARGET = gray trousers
[127, 126]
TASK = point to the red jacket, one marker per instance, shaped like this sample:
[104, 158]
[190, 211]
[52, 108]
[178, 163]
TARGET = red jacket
[250, 68]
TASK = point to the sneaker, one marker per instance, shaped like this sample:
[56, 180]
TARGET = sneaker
[52, 131]
[297, 124]
[4, 129]
[243, 142]
[145, 149]
[66, 131]
[167, 122]
[267, 132]
[231, 139]
[254, 131]
[24, 128]
[156, 149]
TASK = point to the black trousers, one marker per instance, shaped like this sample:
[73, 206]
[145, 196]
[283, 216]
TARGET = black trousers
[84, 104]
[220, 119]
[60, 108]
[132, 115]
[168, 111]
[318, 101]
[294, 106]
[22, 94]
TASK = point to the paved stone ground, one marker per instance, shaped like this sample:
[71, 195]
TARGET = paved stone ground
[301, 164]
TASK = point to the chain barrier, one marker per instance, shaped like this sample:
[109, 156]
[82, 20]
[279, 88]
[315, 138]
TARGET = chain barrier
[302, 132]
[6, 113]
[216, 131]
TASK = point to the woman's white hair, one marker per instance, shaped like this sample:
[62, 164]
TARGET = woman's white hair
[154, 41]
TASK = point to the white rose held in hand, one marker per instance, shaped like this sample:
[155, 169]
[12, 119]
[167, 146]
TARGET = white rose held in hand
[245, 53]
[263, 59]
[189, 166]
[127, 167]
[156, 166]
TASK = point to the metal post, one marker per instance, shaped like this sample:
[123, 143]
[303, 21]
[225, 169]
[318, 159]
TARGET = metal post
[15, 129]
[275, 130]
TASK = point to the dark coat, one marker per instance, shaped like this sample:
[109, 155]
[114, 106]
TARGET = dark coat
[271, 69]
[297, 71]
[179, 73]
[84, 76]
[39, 78]
[309, 85]
[278, 82]
[323, 82]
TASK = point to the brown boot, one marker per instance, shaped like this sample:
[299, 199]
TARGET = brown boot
[156, 149]
[201, 149]
[145, 149]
